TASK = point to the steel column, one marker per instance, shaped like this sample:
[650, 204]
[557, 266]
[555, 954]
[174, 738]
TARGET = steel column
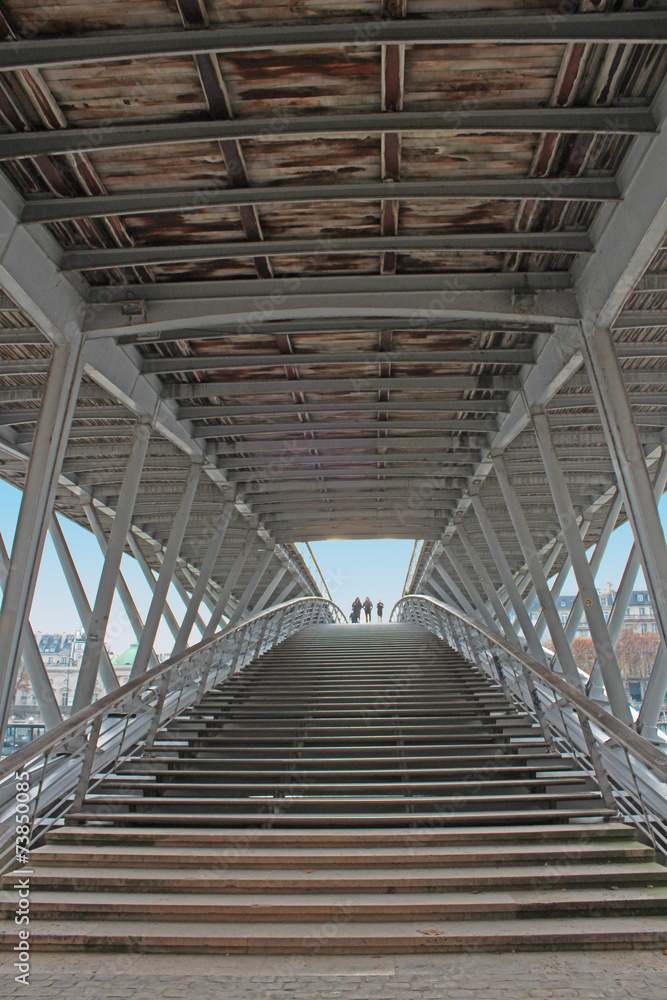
[559, 582]
[626, 586]
[548, 565]
[496, 603]
[34, 664]
[205, 574]
[627, 455]
[262, 602]
[453, 587]
[99, 618]
[172, 624]
[83, 609]
[253, 583]
[282, 596]
[230, 583]
[441, 593]
[604, 649]
[603, 540]
[506, 575]
[165, 578]
[181, 589]
[122, 588]
[530, 554]
[48, 448]
[470, 587]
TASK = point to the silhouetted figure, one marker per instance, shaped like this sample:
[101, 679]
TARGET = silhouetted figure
[379, 607]
[356, 611]
[368, 608]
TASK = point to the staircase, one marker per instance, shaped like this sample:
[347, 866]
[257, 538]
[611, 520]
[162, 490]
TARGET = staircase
[358, 789]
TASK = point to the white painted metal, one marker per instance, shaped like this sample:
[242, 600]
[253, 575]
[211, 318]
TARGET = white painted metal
[530, 554]
[83, 609]
[251, 587]
[34, 664]
[207, 566]
[122, 588]
[164, 580]
[99, 618]
[508, 580]
[604, 650]
[46, 458]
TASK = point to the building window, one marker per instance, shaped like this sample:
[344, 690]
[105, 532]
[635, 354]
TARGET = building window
[563, 618]
[642, 611]
[640, 597]
[644, 628]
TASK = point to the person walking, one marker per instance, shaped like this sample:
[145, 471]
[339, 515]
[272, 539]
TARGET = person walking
[379, 607]
[368, 608]
[356, 611]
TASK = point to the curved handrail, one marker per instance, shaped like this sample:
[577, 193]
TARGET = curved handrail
[14, 761]
[622, 734]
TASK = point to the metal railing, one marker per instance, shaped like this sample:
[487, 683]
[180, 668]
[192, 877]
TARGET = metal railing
[41, 782]
[630, 772]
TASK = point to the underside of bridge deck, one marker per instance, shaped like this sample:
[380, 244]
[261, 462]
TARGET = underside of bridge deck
[371, 270]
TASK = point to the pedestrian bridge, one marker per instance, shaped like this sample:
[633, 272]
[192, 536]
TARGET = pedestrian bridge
[273, 276]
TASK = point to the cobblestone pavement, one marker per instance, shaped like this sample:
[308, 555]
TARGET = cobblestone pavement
[523, 976]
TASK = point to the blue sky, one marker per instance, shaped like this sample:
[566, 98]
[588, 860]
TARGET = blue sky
[375, 568]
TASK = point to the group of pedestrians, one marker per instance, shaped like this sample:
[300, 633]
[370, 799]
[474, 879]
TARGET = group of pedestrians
[367, 607]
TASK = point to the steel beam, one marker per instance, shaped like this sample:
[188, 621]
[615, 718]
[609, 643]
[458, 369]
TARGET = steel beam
[85, 686]
[282, 596]
[536, 573]
[169, 618]
[223, 362]
[558, 242]
[456, 591]
[474, 425]
[32, 658]
[601, 120]
[634, 27]
[83, 609]
[122, 588]
[470, 587]
[599, 189]
[167, 569]
[443, 383]
[435, 407]
[596, 621]
[272, 327]
[559, 582]
[492, 594]
[629, 462]
[505, 572]
[609, 525]
[251, 587]
[207, 567]
[548, 565]
[46, 458]
[264, 599]
[230, 583]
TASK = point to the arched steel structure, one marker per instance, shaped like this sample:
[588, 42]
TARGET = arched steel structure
[271, 278]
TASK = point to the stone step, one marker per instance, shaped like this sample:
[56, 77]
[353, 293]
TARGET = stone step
[344, 937]
[564, 834]
[166, 785]
[334, 906]
[499, 760]
[60, 852]
[355, 819]
[321, 803]
[381, 880]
